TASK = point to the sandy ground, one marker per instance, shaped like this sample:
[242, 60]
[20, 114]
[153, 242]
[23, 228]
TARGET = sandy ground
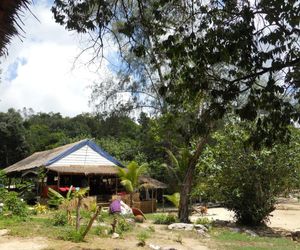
[286, 216]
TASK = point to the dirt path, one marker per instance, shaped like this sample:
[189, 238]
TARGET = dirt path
[161, 237]
[15, 243]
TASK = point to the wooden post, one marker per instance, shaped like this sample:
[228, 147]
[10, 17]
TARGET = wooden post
[163, 200]
[155, 199]
[58, 180]
[9, 183]
[152, 200]
[89, 184]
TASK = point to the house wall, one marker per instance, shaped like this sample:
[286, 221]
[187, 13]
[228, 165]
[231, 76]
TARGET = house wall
[83, 156]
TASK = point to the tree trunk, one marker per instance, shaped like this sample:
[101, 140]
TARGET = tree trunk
[78, 213]
[183, 213]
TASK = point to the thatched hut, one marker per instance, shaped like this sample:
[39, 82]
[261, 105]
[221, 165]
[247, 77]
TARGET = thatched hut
[80, 164]
[10, 20]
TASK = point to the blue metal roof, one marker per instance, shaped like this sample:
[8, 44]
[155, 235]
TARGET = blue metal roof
[81, 144]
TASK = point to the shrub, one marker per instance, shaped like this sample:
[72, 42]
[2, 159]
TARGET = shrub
[15, 205]
[203, 221]
[165, 219]
[123, 226]
[142, 237]
[60, 219]
[75, 236]
[40, 209]
[102, 230]
[71, 235]
[103, 216]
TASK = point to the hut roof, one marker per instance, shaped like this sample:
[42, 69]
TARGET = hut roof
[148, 182]
[64, 157]
[9, 20]
[87, 169]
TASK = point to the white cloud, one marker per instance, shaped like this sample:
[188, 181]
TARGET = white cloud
[38, 71]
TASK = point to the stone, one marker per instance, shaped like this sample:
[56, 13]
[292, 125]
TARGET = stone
[221, 223]
[115, 236]
[202, 233]
[168, 248]
[251, 233]
[200, 226]
[181, 226]
[235, 229]
[4, 232]
[130, 220]
[154, 247]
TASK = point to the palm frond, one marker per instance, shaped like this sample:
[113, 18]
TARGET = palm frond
[55, 198]
[69, 194]
[10, 21]
[174, 198]
[81, 192]
[128, 185]
[130, 176]
[173, 158]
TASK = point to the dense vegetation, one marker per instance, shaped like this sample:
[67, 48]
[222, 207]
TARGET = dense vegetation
[199, 61]
[192, 64]
[227, 162]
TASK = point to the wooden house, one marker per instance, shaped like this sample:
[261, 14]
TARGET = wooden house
[82, 164]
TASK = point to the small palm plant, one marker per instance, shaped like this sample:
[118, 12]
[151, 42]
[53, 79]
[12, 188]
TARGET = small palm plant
[178, 165]
[130, 178]
[174, 198]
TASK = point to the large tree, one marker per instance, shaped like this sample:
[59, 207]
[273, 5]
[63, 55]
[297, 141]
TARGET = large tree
[13, 146]
[248, 181]
[201, 60]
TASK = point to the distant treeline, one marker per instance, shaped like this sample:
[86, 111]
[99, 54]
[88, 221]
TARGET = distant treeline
[25, 132]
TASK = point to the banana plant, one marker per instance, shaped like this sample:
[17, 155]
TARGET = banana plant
[79, 195]
[56, 199]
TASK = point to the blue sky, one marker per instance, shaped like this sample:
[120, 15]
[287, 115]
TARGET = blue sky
[39, 72]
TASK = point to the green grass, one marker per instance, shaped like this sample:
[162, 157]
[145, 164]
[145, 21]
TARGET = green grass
[42, 225]
[33, 226]
[226, 239]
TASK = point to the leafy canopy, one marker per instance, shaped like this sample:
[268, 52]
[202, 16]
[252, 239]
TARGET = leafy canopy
[205, 58]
